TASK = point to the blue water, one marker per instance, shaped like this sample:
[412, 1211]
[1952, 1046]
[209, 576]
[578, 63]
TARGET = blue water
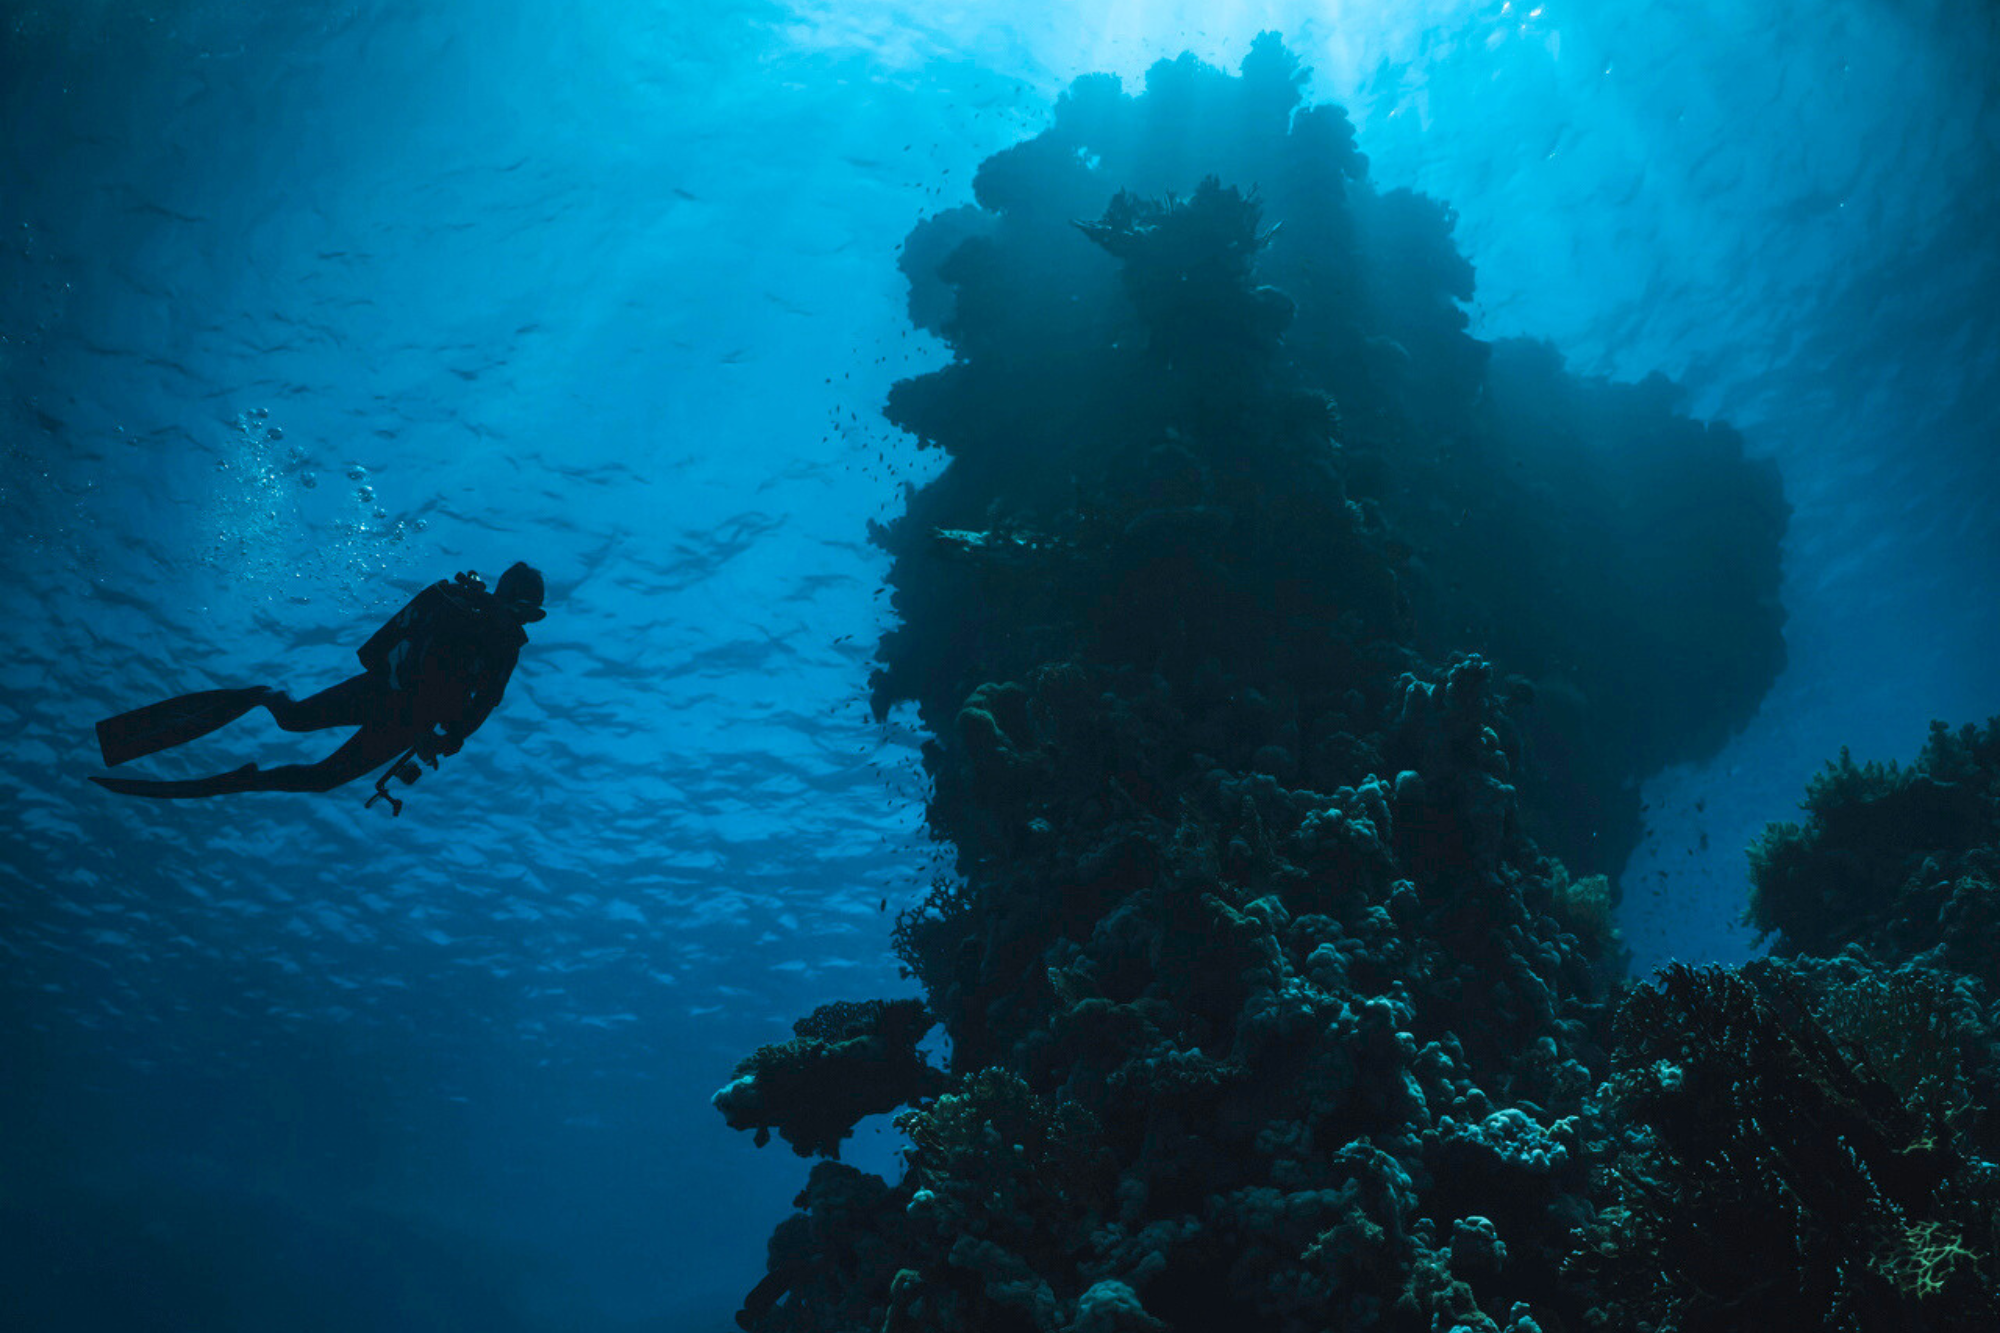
[299, 312]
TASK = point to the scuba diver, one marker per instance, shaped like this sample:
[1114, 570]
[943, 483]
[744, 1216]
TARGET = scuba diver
[431, 677]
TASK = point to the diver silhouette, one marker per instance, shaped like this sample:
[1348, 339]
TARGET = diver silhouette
[431, 676]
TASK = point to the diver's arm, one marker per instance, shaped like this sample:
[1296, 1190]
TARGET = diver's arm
[486, 696]
[475, 714]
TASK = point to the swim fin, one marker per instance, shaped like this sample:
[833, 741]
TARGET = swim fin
[172, 722]
[220, 784]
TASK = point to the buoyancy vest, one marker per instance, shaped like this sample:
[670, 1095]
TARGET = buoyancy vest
[444, 649]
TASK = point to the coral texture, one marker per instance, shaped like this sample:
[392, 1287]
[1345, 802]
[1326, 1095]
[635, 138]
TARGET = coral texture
[1792, 1159]
[1809, 1141]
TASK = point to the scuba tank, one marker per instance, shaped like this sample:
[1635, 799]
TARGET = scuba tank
[399, 646]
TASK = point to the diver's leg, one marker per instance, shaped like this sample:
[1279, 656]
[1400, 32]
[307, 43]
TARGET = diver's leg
[368, 748]
[365, 751]
[355, 702]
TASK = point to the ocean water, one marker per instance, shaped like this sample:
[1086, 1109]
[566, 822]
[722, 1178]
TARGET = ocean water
[304, 307]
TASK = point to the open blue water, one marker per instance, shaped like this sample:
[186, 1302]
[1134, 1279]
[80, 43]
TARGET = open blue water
[300, 310]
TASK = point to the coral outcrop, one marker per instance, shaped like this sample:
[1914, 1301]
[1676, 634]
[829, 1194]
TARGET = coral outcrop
[1271, 633]
[844, 1062]
[1896, 861]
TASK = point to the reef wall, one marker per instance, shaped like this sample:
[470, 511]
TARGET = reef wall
[1272, 632]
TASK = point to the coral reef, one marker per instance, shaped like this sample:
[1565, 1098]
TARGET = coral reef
[1895, 861]
[1582, 535]
[1271, 633]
